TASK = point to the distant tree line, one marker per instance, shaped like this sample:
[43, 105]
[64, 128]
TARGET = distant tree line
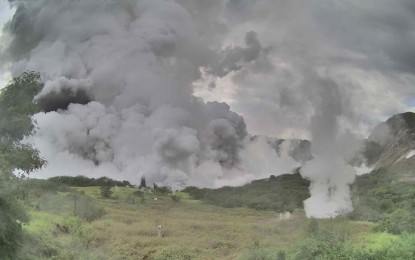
[82, 181]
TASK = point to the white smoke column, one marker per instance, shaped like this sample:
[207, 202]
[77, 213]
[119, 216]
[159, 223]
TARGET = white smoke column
[328, 171]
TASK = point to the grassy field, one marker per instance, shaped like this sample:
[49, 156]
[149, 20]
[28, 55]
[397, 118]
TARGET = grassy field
[191, 229]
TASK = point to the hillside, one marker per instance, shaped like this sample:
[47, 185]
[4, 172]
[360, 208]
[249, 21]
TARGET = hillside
[387, 194]
[391, 142]
[282, 193]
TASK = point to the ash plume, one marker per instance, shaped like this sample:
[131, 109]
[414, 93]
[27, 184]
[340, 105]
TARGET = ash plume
[118, 95]
[62, 92]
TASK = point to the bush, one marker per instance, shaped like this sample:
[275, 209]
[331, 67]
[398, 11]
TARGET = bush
[195, 192]
[398, 222]
[323, 249]
[136, 197]
[85, 208]
[175, 198]
[106, 191]
[143, 183]
[138, 193]
[162, 190]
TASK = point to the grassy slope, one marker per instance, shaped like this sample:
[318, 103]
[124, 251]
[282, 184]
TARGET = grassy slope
[192, 230]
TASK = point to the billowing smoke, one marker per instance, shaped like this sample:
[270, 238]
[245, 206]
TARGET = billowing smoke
[62, 92]
[233, 59]
[118, 98]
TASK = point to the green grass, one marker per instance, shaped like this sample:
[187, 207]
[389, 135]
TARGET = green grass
[192, 229]
[374, 241]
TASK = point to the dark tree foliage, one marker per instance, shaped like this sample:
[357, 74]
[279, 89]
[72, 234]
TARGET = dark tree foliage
[163, 190]
[11, 217]
[143, 183]
[16, 108]
[106, 191]
[82, 181]
[383, 198]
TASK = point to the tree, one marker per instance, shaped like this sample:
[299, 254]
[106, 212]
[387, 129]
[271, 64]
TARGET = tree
[16, 108]
[143, 183]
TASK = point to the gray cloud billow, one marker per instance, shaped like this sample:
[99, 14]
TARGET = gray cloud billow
[124, 82]
[118, 96]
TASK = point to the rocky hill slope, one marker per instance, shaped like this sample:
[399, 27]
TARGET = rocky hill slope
[391, 141]
[391, 146]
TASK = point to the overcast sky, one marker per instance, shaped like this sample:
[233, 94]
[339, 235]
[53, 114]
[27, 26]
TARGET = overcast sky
[6, 13]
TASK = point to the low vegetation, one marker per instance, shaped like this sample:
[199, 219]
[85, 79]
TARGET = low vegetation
[77, 223]
[385, 200]
[282, 193]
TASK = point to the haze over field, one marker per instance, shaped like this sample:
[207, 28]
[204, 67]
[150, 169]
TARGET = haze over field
[175, 90]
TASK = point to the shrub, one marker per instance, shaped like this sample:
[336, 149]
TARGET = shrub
[138, 193]
[175, 198]
[162, 190]
[143, 183]
[85, 208]
[398, 222]
[136, 197]
[195, 192]
[106, 191]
